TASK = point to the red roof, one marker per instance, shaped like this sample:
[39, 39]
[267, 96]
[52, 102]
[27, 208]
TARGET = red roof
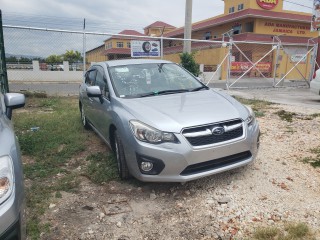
[159, 24]
[240, 15]
[127, 32]
[131, 32]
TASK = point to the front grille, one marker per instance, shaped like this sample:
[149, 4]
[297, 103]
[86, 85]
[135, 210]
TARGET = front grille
[212, 139]
[216, 163]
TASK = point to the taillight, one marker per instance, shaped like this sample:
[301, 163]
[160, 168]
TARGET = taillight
[314, 74]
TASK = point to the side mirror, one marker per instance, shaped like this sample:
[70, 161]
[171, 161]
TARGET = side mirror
[13, 101]
[94, 91]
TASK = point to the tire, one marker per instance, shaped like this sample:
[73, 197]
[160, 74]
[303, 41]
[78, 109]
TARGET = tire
[123, 170]
[146, 46]
[84, 120]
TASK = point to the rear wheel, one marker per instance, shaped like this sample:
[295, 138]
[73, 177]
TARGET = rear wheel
[121, 160]
[83, 118]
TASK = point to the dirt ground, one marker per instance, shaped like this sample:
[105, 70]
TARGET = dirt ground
[276, 189]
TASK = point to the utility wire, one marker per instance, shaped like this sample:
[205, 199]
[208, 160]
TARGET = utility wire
[298, 4]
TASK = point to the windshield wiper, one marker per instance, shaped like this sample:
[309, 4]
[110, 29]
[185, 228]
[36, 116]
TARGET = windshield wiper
[164, 92]
[199, 88]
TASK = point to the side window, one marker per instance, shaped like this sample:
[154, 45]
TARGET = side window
[90, 77]
[101, 82]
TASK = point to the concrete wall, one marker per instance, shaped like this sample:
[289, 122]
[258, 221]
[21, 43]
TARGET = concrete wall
[37, 75]
[44, 76]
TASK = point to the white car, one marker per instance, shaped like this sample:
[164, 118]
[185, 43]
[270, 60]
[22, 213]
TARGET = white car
[315, 83]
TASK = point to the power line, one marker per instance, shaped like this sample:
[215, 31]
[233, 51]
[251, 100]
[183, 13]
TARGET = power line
[298, 4]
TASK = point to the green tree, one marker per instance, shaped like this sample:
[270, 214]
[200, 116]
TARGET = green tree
[72, 56]
[189, 63]
[11, 59]
[54, 59]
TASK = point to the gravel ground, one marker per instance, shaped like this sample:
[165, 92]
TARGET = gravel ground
[276, 189]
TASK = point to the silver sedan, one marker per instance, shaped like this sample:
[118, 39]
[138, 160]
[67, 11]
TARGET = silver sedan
[163, 123]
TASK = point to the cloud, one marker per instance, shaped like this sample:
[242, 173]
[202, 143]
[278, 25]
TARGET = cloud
[109, 16]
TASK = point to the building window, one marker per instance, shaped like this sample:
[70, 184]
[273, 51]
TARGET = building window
[240, 7]
[108, 45]
[119, 44]
[207, 36]
[249, 27]
[231, 10]
[237, 29]
[128, 45]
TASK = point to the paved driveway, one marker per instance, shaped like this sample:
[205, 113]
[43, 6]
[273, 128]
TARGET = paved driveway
[300, 96]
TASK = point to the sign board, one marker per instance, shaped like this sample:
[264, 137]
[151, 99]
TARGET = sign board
[240, 67]
[315, 21]
[145, 49]
[297, 57]
[267, 4]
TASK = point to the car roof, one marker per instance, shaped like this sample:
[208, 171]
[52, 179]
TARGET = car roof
[114, 63]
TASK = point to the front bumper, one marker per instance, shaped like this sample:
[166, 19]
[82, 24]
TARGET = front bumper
[14, 232]
[12, 218]
[177, 158]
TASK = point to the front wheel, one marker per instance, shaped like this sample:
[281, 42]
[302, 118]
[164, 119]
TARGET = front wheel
[123, 170]
[83, 118]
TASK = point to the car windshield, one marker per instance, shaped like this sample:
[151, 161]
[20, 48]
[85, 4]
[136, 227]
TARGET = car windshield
[151, 79]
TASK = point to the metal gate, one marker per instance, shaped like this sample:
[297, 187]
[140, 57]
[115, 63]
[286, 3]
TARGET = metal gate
[273, 64]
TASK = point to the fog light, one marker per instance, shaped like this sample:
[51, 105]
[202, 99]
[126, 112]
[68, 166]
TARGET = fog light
[146, 166]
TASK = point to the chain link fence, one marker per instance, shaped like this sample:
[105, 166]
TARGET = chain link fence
[52, 61]
[4, 86]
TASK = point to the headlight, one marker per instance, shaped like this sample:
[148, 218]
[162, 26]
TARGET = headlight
[149, 134]
[6, 178]
[251, 118]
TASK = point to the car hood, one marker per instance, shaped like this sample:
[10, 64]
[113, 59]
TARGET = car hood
[176, 111]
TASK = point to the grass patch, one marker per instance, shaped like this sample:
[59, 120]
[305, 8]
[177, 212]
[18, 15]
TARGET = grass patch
[286, 116]
[258, 106]
[315, 115]
[58, 138]
[313, 161]
[290, 232]
[60, 135]
[101, 168]
[35, 94]
[290, 130]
